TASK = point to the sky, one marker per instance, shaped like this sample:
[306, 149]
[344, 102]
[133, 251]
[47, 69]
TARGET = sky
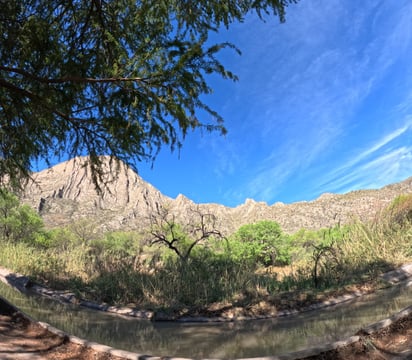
[323, 104]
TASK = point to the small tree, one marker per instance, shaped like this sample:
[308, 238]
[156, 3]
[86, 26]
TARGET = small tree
[18, 222]
[262, 242]
[84, 231]
[182, 238]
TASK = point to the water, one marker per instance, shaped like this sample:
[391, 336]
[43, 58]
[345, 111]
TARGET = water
[217, 340]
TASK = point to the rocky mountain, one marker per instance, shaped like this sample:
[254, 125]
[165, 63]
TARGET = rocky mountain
[65, 193]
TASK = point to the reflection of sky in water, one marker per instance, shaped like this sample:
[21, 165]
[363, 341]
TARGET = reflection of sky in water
[216, 340]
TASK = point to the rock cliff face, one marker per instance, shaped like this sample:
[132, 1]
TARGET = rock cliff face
[65, 193]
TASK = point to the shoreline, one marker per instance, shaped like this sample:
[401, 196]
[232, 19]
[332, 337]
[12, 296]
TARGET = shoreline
[69, 343]
[23, 284]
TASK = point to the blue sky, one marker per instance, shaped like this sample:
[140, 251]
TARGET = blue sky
[323, 104]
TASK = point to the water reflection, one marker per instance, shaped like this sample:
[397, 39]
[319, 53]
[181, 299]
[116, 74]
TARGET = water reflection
[221, 340]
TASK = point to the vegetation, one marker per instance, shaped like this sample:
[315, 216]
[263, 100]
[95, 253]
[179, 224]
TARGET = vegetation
[400, 211]
[19, 223]
[262, 243]
[257, 264]
[119, 78]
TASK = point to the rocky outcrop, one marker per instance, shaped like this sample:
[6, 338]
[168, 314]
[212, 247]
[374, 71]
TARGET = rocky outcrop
[66, 193]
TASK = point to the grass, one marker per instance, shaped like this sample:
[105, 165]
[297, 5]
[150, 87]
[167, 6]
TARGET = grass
[347, 256]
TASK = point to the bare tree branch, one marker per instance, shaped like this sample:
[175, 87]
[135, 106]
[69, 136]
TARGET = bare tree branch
[181, 238]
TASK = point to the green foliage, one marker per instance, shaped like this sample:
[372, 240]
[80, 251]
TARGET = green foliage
[121, 243]
[120, 78]
[84, 230]
[62, 239]
[304, 242]
[119, 267]
[19, 222]
[43, 240]
[260, 243]
[115, 250]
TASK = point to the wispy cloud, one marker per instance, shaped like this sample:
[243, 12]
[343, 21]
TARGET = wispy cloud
[375, 173]
[344, 175]
[305, 101]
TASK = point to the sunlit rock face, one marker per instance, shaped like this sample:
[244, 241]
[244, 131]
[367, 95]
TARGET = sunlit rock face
[66, 193]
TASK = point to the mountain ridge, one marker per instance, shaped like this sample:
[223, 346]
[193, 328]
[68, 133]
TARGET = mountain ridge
[66, 193]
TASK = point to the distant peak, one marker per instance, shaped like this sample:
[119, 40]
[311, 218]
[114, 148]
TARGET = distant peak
[181, 199]
[249, 201]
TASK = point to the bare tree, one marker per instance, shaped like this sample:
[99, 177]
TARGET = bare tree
[165, 230]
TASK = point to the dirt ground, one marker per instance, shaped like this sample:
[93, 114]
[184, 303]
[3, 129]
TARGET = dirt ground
[392, 342]
[22, 339]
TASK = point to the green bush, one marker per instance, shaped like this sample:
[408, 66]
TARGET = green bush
[114, 251]
[262, 243]
[62, 239]
[18, 223]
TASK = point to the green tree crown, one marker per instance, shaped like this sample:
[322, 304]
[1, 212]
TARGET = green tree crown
[118, 78]
[18, 223]
[261, 242]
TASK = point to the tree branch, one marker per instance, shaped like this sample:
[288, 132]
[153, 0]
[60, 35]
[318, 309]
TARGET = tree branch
[34, 97]
[72, 79]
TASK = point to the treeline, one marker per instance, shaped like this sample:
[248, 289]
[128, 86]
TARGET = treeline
[177, 265]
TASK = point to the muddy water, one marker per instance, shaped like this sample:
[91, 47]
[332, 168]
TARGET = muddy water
[217, 340]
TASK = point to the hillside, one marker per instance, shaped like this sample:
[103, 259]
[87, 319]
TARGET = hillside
[65, 193]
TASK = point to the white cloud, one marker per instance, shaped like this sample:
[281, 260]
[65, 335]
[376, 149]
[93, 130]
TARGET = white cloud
[302, 85]
[385, 160]
[376, 173]
[367, 153]
[309, 112]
